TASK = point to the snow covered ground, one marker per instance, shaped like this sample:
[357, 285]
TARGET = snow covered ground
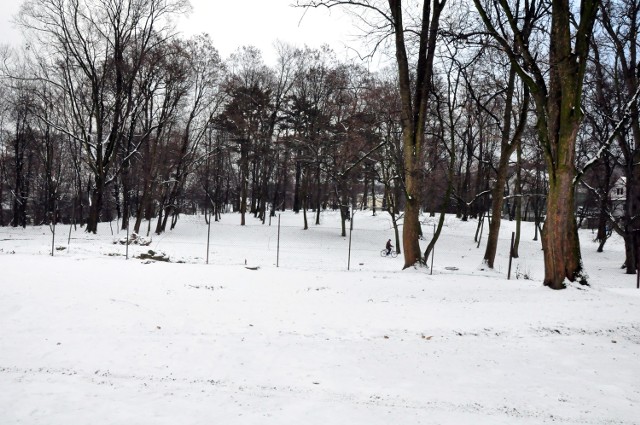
[89, 337]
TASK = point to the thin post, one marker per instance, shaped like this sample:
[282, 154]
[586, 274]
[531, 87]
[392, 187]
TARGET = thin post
[127, 250]
[53, 237]
[208, 236]
[278, 246]
[350, 232]
[513, 236]
[433, 251]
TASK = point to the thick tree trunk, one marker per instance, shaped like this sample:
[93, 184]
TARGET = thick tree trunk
[96, 205]
[411, 229]
[142, 206]
[630, 254]
[497, 203]
[560, 241]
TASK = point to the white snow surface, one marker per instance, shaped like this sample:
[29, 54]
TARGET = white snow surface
[88, 337]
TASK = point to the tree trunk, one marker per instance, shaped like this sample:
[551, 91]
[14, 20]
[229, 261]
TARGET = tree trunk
[630, 254]
[496, 214]
[560, 233]
[318, 195]
[296, 193]
[414, 98]
[411, 230]
[479, 226]
[632, 209]
[244, 179]
[373, 198]
[518, 201]
[96, 204]
[303, 200]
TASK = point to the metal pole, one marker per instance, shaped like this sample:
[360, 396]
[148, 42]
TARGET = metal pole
[278, 248]
[513, 235]
[350, 232]
[53, 238]
[208, 236]
[127, 251]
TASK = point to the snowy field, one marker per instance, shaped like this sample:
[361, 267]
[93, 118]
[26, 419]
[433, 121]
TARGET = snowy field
[87, 337]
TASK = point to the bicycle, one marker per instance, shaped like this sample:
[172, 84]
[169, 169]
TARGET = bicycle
[392, 254]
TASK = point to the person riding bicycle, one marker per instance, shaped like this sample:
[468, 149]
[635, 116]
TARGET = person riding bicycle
[389, 246]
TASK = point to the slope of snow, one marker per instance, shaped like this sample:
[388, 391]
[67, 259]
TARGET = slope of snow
[88, 337]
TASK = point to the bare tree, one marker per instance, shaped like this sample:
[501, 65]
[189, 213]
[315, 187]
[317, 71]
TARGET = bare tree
[620, 21]
[202, 103]
[98, 47]
[414, 95]
[557, 92]
[501, 105]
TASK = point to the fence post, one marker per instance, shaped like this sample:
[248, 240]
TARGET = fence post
[350, 232]
[278, 246]
[53, 237]
[208, 236]
[127, 250]
[513, 235]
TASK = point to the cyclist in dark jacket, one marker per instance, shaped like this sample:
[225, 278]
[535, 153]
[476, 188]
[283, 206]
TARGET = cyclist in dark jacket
[389, 246]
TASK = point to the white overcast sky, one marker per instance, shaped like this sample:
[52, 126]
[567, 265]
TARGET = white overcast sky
[234, 23]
